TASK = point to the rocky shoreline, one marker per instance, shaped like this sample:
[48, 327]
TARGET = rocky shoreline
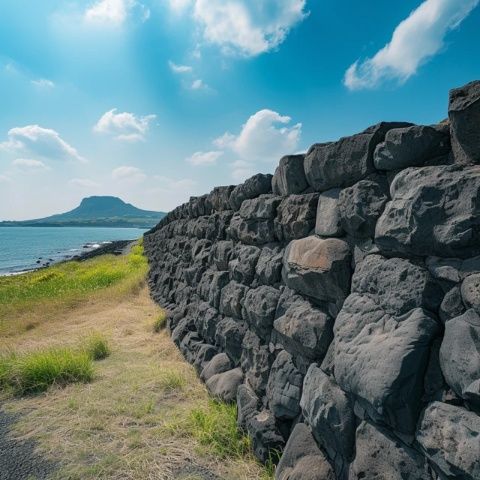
[116, 247]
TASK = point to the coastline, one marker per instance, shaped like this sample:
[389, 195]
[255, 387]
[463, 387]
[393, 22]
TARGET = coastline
[114, 247]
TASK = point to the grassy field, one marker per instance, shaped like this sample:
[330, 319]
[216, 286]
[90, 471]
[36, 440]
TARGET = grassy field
[140, 412]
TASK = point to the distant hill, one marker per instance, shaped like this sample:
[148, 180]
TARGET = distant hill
[97, 212]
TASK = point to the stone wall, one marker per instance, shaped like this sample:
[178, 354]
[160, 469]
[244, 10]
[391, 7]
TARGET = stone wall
[338, 302]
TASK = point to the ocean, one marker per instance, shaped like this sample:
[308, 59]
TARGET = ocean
[22, 247]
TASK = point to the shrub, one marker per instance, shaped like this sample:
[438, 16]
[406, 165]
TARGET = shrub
[96, 346]
[36, 371]
[160, 323]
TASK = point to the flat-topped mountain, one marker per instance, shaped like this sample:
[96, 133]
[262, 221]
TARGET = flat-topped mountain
[98, 211]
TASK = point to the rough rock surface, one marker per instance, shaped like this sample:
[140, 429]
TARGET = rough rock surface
[449, 437]
[289, 176]
[460, 356]
[433, 211]
[413, 146]
[329, 412]
[464, 115]
[318, 268]
[343, 163]
[379, 456]
[338, 302]
[302, 459]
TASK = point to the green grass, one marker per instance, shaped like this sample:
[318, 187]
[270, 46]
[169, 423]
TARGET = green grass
[215, 427]
[160, 322]
[172, 380]
[72, 277]
[67, 284]
[96, 346]
[35, 372]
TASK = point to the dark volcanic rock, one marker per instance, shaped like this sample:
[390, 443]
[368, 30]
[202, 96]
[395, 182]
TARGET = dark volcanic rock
[304, 331]
[343, 163]
[269, 266]
[289, 176]
[379, 456]
[260, 305]
[229, 336]
[460, 356]
[256, 362]
[382, 359]
[470, 291]
[328, 214]
[413, 146]
[318, 268]
[361, 205]
[284, 387]
[434, 211]
[251, 188]
[464, 115]
[302, 459]
[224, 385]
[231, 300]
[328, 411]
[242, 267]
[398, 285]
[220, 363]
[449, 436]
[296, 216]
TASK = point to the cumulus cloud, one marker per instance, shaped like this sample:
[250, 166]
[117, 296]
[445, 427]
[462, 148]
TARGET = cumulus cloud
[171, 184]
[124, 126]
[414, 41]
[43, 83]
[175, 68]
[241, 170]
[84, 183]
[199, 159]
[129, 174]
[198, 84]
[29, 164]
[179, 6]
[245, 27]
[265, 136]
[38, 141]
[115, 12]
[5, 179]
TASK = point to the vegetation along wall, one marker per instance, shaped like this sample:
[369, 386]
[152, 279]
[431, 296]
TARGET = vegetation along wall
[338, 302]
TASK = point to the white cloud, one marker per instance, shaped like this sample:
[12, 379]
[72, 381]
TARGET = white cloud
[114, 12]
[265, 136]
[129, 174]
[43, 83]
[5, 179]
[241, 170]
[198, 84]
[179, 6]
[124, 126]
[29, 164]
[168, 183]
[84, 183]
[43, 142]
[247, 27]
[179, 68]
[413, 42]
[204, 158]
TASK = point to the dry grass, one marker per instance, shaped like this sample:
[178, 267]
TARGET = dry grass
[123, 425]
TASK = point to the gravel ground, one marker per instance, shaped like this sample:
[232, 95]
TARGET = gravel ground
[18, 459]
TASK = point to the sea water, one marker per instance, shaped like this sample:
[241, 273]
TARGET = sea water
[26, 248]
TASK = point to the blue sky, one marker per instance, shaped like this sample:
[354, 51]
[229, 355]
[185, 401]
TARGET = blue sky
[157, 100]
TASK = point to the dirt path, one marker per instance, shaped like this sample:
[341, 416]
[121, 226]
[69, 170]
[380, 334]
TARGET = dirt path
[129, 423]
